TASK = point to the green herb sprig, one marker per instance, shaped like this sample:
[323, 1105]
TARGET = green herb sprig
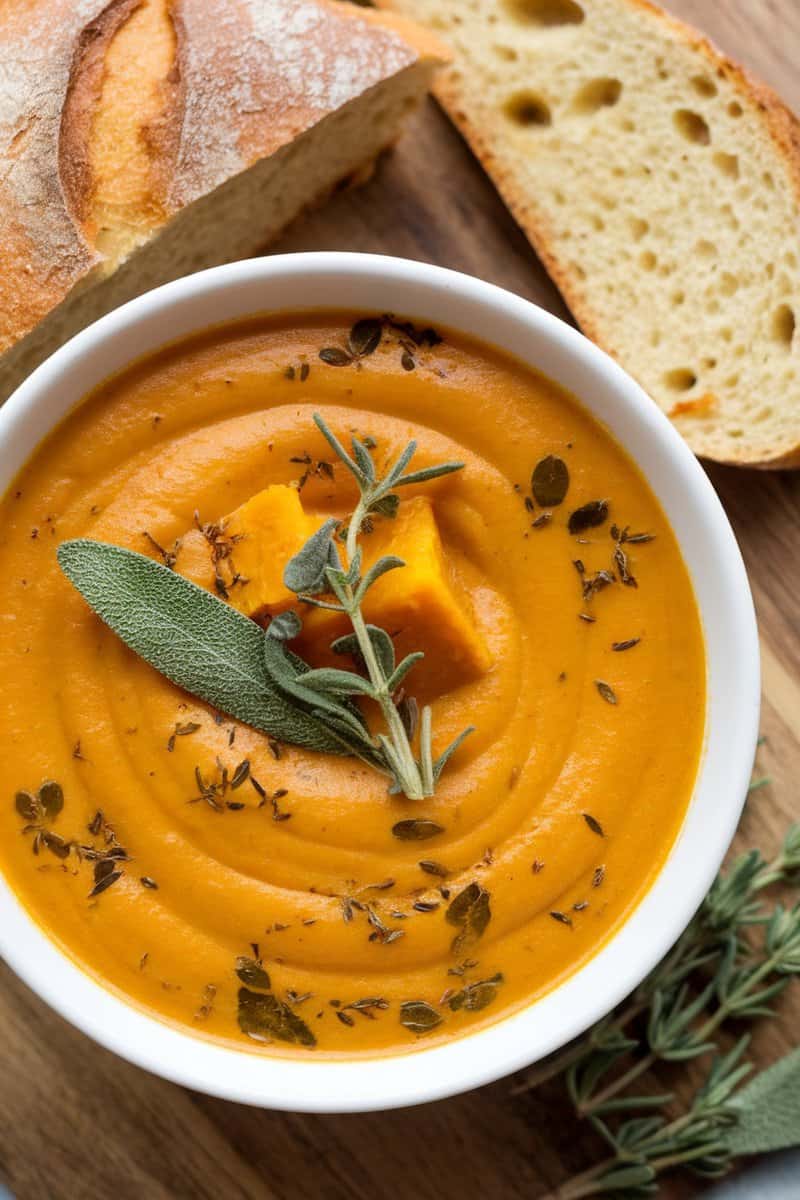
[716, 973]
[317, 571]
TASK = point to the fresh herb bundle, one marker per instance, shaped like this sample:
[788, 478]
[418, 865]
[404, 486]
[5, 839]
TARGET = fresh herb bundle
[317, 571]
[731, 963]
[214, 652]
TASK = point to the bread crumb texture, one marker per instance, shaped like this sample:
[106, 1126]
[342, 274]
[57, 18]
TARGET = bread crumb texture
[660, 185]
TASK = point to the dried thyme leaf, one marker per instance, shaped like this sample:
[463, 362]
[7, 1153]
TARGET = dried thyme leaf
[476, 996]
[471, 911]
[263, 1016]
[433, 868]
[593, 824]
[561, 917]
[147, 882]
[334, 356]
[55, 844]
[627, 645]
[598, 876]
[606, 691]
[550, 481]
[252, 973]
[28, 806]
[104, 883]
[416, 829]
[365, 337]
[419, 1017]
[51, 798]
[588, 516]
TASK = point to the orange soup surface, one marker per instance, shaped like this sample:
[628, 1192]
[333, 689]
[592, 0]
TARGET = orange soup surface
[278, 898]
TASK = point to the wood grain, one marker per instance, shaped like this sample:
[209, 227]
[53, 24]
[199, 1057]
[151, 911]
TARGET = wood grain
[76, 1123]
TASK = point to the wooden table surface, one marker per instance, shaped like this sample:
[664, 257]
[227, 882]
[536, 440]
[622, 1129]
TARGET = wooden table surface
[77, 1123]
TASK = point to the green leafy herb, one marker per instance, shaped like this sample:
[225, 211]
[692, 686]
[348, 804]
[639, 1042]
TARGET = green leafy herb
[471, 912]
[550, 481]
[251, 972]
[606, 691]
[264, 1017]
[416, 829]
[317, 571]
[476, 996]
[198, 642]
[419, 1017]
[588, 516]
[734, 959]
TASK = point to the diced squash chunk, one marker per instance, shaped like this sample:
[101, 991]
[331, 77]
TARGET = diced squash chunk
[422, 604]
[263, 534]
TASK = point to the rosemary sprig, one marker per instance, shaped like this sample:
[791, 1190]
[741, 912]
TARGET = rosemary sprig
[717, 972]
[317, 571]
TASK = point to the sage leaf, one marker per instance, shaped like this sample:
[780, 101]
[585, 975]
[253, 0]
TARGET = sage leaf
[382, 644]
[198, 642]
[285, 626]
[365, 337]
[550, 481]
[398, 675]
[286, 671]
[767, 1110]
[263, 1016]
[476, 996]
[335, 683]
[306, 571]
[588, 516]
[419, 1017]
[252, 973]
[470, 910]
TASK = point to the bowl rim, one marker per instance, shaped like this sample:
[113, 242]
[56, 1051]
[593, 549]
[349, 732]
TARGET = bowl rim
[658, 916]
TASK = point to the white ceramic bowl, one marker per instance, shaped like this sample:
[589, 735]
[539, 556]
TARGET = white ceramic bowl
[427, 294]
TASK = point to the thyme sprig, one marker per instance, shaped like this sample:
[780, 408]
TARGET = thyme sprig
[732, 962]
[319, 578]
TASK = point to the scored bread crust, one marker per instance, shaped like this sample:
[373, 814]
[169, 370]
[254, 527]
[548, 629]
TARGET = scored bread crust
[247, 78]
[780, 123]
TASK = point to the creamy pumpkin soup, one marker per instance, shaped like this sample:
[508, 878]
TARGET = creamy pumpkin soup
[354, 686]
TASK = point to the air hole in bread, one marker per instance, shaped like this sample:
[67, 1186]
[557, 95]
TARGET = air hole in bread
[763, 414]
[628, 125]
[735, 109]
[507, 53]
[706, 249]
[597, 94]
[598, 223]
[655, 338]
[728, 284]
[704, 86]
[728, 164]
[769, 180]
[784, 325]
[678, 298]
[682, 379]
[546, 12]
[639, 227]
[708, 364]
[726, 334]
[791, 259]
[528, 108]
[648, 260]
[692, 126]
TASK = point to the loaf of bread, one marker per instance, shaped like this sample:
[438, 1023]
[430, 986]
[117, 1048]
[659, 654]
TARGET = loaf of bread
[144, 139]
[660, 185]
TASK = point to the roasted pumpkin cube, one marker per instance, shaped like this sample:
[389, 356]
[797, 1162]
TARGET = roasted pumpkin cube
[422, 605]
[261, 536]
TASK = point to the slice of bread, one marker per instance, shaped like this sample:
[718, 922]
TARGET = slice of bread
[660, 185]
[144, 139]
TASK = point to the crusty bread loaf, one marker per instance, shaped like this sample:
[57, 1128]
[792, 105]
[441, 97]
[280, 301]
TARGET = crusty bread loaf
[144, 139]
[660, 184]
